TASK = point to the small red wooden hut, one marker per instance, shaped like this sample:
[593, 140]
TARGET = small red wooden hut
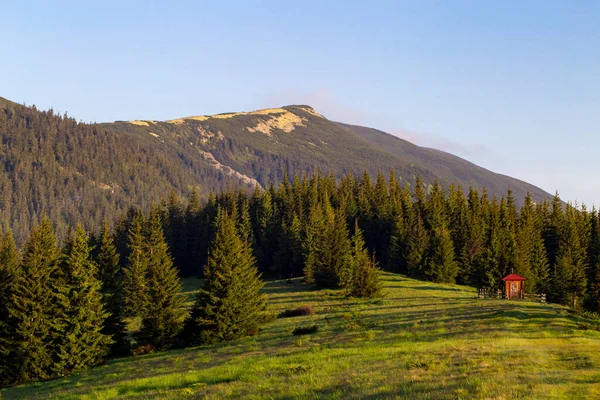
[514, 286]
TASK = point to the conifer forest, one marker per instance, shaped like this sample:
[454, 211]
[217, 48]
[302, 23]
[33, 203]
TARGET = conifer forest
[65, 304]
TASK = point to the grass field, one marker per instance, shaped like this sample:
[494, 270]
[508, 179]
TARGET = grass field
[421, 341]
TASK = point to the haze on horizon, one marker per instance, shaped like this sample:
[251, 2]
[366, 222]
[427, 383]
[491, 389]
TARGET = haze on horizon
[511, 86]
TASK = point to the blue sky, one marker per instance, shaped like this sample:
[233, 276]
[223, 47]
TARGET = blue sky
[513, 86]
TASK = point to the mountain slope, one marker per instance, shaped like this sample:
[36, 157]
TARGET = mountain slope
[447, 167]
[75, 172]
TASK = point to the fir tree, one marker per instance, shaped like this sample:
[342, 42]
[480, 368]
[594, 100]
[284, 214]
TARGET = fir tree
[314, 245]
[34, 316]
[163, 321]
[363, 278]
[569, 280]
[442, 267]
[9, 264]
[336, 260]
[111, 276]
[230, 304]
[81, 343]
[417, 247]
[135, 279]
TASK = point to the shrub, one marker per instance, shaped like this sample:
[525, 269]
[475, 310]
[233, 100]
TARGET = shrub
[305, 330]
[139, 351]
[297, 312]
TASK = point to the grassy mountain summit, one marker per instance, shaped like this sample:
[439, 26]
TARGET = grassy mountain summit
[77, 172]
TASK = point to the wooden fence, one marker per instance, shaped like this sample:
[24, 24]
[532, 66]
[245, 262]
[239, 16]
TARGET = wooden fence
[488, 293]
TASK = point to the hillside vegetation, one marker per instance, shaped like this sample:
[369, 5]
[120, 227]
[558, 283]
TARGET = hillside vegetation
[73, 172]
[423, 340]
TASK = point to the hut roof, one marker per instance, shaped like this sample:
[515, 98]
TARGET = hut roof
[513, 277]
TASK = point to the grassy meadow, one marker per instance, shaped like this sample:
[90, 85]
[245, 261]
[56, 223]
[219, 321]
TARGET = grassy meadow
[422, 341]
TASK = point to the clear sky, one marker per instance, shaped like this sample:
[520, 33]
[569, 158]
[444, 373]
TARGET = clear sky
[513, 86]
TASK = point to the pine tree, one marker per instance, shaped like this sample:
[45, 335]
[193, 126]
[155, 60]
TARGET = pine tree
[314, 245]
[34, 317]
[540, 265]
[9, 264]
[135, 279]
[230, 304]
[289, 256]
[442, 267]
[111, 276]
[363, 278]
[163, 321]
[398, 242]
[417, 246]
[81, 343]
[525, 238]
[569, 280]
[336, 260]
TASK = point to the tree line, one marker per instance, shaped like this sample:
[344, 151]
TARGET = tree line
[301, 228]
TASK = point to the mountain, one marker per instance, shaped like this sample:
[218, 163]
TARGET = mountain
[76, 172]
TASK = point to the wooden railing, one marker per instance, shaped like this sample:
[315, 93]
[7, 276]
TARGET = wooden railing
[488, 293]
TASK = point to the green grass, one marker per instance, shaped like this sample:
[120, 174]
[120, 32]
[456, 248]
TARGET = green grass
[422, 341]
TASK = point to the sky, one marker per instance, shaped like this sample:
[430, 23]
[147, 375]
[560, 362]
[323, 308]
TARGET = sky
[513, 86]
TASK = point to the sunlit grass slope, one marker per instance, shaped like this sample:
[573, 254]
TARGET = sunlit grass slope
[422, 341]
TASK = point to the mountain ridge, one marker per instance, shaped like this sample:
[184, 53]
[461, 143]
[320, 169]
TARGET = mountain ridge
[83, 172]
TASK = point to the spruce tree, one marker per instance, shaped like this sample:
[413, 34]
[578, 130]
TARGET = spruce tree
[363, 278]
[163, 321]
[230, 304]
[315, 244]
[81, 343]
[34, 316]
[569, 280]
[442, 266]
[540, 265]
[417, 246]
[397, 252]
[336, 261]
[9, 264]
[111, 276]
[135, 273]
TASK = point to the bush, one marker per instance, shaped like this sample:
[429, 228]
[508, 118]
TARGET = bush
[297, 312]
[305, 330]
[139, 351]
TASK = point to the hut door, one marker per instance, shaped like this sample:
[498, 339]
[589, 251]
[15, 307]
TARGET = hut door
[514, 291]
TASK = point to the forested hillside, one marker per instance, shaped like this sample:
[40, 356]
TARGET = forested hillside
[74, 172]
[85, 296]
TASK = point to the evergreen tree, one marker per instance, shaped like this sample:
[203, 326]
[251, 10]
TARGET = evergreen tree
[442, 267]
[417, 246]
[336, 257]
[314, 245]
[111, 276]
[540, 265]
[398, 243]
[569, 280]
[230, 304]
[363, 278]
[9, 264]
[163, 321]
[135, 273]
[289, 256]
[81, 343]
[34, 317]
